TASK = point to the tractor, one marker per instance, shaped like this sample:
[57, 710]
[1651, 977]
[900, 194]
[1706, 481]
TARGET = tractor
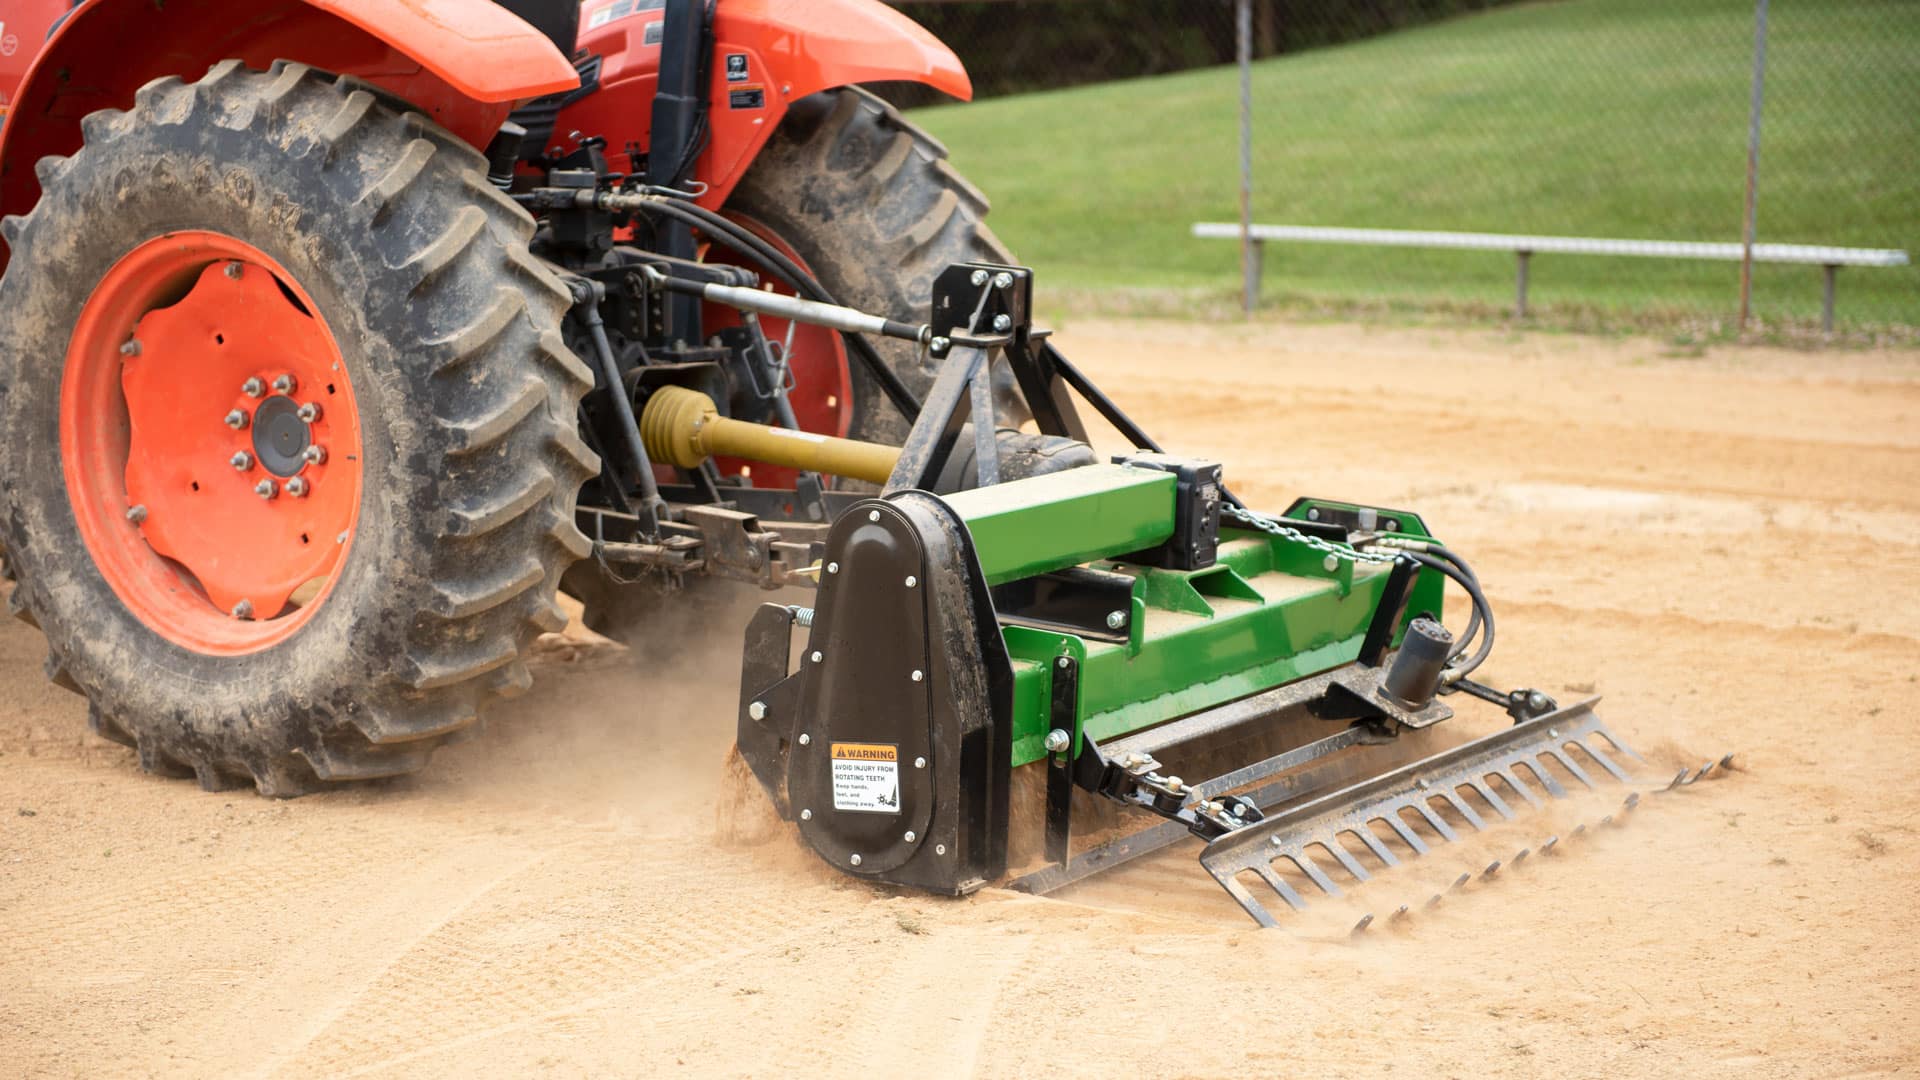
[339, 337]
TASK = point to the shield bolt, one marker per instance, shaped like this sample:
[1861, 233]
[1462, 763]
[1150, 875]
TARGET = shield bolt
[854, 859]
[253, 387]
[309, 412]
[237, 419]
[266, 489]
[298, 487]
[130, 348]
[918, 675]
[243, 610]
[242, 461]
[1057, 740]
[315, 454]
[909, 837]
[136, 514]
[285, 384]
[805, 738]
[806, 815]
[912, 581]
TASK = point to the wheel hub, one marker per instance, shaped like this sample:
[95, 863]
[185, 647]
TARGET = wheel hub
[236, 452]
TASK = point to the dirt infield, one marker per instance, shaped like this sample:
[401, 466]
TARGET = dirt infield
[1724, 546]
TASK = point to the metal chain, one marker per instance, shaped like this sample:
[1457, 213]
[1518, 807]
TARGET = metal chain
[1286, 532]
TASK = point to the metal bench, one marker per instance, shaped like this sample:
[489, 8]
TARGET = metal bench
[1829, 259]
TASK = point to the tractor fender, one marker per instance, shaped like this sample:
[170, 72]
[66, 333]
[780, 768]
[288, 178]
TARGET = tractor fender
[463, 62]
[767, 55]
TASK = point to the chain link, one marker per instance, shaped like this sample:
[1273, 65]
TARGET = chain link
[1273, 527]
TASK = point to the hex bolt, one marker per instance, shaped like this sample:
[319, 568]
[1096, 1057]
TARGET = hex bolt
[1331, 562]
[253, 387]
[940, 344]
[918, 675]
[131, 347]
[1003, 280]
[1116, 619]
[815, 657]
[1003, 322]
[1313, 513]
[237, 419]
[909, 837]
[243, 610]
[1058, 740]
[136, 514]
[854, 859]
[806, 815]
[1393, 524]
[233, 270]
[1066, 661]
[805, 738]
[298, 487]
[285, 384]
[919, 763]
[979, 277]
[757, 710]
[315, 454]
[309, 412]
[912, 581]
[266, 489]
[242, 461]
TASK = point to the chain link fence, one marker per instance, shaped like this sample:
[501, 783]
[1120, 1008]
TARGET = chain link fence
[1111, 126]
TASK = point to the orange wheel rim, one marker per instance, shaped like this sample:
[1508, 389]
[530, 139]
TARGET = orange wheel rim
[210, 443]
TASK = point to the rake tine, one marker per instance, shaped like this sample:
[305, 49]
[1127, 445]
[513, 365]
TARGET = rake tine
[1439, 824]
[1492, 869]
[1345, 858]
[1525, 791]
[1545, 777]
[1406, 833]
[1361, 926]
[1552, 846]
[1251, 906]
[1522, 857]
[1459, 881]
[1460, 804]
[1380, 850]
[1632, 801]
[1560, 755]
[1486, 792]
[1614, 741]
[1400, 914]
[1727, 761]
[1678, 779]
[1315, 874]
[1285, 890]
[1580, 829]
[1605, 763]
[1705, 771]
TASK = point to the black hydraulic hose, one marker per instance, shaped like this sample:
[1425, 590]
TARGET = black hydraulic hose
[1482, 610]
[788, 273]
[1473, 620]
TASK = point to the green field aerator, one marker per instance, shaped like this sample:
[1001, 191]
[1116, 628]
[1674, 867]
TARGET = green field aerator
[1085, 635]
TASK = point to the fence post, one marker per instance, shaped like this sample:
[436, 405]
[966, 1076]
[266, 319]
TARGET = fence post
[1753, 159]
[1249, 252]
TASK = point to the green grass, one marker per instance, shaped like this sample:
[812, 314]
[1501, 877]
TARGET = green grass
[1609, 118]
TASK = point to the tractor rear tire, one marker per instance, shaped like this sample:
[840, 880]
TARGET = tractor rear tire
[871, 206]
[468, 461]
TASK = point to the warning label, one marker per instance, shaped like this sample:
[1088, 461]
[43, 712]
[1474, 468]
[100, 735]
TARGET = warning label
[866, 777]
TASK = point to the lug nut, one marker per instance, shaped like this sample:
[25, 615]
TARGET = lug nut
[243, 610]
[285, 384]
[237, 419]
[242, 461]
[253, 387]
[233, 270]
[315, 454]
[130, 348]
[266, 489]
[298, 487]
[309, 412]
[136, 514]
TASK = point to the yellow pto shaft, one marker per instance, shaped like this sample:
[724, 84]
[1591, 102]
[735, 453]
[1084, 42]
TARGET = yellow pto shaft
[682, 427]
